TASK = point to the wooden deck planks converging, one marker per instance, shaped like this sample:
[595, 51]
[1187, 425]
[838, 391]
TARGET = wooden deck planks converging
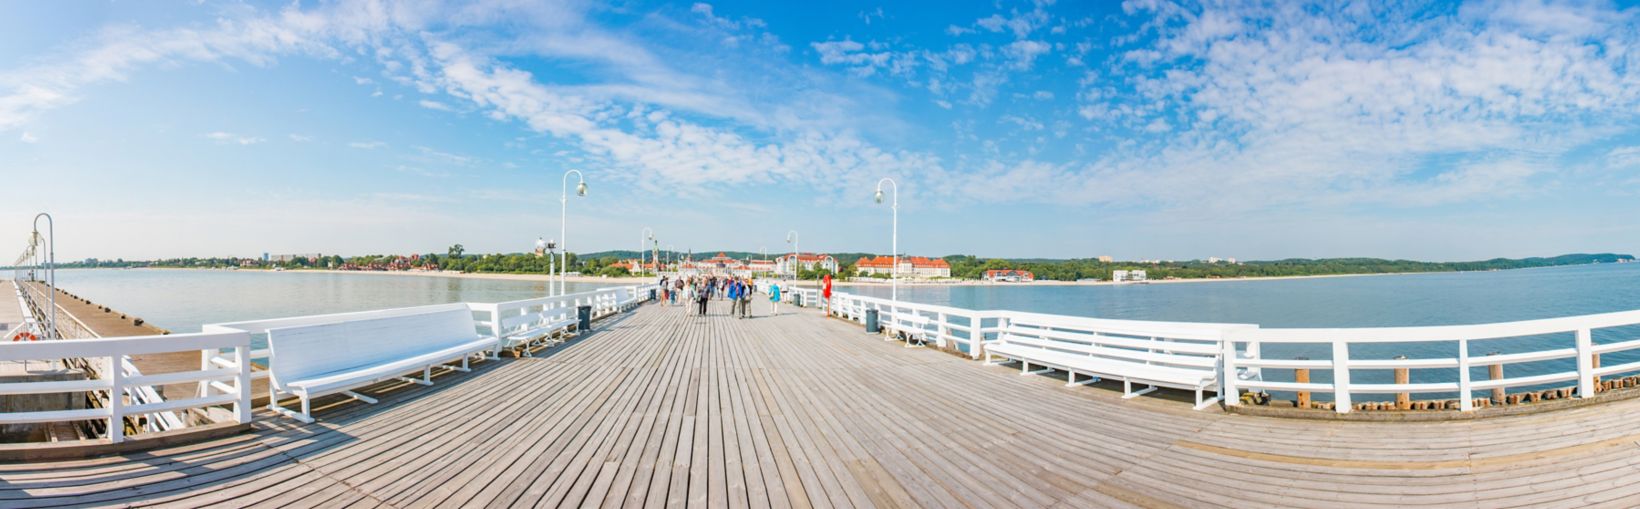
[660, 409]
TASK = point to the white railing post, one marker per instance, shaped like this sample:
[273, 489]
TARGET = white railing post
[242, 383]
[1585, 363]
[1466, 403]
[1227, 372]
[116, 398]
[1341, 376]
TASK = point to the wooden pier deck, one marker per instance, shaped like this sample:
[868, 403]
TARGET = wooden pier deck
[659, 409]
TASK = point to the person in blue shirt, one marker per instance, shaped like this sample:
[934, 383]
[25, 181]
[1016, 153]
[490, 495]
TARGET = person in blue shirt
[774, 299]
[734, 297]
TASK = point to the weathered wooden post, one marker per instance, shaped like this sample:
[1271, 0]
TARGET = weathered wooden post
[1495, 372]
[1595, 365]
[1403, 400]
[1302, 375]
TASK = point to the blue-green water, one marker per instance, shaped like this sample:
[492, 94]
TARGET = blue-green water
[183, 300]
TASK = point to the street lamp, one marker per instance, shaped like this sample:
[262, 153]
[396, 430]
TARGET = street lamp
[545, 248]
[645, 235]
[51, 264]
[791, 238]
[563, 221]
[894, 273]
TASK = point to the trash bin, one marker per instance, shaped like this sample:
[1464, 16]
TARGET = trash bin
[652, 294]
[584, 316]
[797, 299]
[871, 322]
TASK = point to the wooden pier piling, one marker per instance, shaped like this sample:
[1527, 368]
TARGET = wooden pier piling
[1403, 401]
[1302, 375]
[1495, 372]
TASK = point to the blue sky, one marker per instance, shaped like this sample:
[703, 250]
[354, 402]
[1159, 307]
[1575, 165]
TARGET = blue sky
[1142, 129]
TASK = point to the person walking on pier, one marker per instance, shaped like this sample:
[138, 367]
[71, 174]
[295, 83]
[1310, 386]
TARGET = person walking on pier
[704, 297]
[746, 288]
[774, 299]
[689, 295]
[734, 297]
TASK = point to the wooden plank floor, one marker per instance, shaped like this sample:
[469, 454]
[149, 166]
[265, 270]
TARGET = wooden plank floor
[660, 409]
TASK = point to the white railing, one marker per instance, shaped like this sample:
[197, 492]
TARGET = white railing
[966, 328]
[70, 327]
[951, 325]
[118, 384]
[1567, 338]
[604, 302]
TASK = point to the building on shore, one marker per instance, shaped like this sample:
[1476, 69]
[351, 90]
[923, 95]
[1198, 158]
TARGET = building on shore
[1009, 276]
[723, 265]
[1123, 276]
[794, 263]
[910, 266]
[1106, 259]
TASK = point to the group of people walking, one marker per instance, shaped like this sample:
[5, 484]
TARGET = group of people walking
[697, 291]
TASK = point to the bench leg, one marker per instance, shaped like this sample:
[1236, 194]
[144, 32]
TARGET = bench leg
[1127, 390]
[1072, 381]
[1204, 403]
[1025, 369]
[351, 394]
[273, 404]
[914, 341]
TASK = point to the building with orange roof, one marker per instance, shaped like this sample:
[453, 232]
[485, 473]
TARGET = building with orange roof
[910, 266]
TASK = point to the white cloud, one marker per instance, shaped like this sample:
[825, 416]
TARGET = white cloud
[434, 105]
[367, 145]
[29, 138]
[1624, 157]
[300, 138]
[1023, 53]
[231, 138]
[1286, 106]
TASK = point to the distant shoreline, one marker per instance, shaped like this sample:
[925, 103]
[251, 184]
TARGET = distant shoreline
[501, 276]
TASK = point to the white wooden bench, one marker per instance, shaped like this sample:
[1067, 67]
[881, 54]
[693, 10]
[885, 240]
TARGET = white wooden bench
[913, 326]
[1152, 362]
[549, 326]
[315, 360]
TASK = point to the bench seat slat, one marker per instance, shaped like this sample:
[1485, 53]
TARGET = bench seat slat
[1132, 355]
[1106, 367]
[328, 381]
[1186, 346]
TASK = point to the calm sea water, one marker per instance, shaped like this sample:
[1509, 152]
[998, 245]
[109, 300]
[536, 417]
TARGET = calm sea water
[183, 300]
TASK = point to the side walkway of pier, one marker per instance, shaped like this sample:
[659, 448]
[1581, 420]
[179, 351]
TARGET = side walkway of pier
[657, 408]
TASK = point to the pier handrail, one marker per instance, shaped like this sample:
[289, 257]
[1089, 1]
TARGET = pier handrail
[986, 324]
[1581, 348]
[76, 330]
[215, 369]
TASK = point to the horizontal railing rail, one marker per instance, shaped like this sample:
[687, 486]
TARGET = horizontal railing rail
[1574, 342]
[120, 382]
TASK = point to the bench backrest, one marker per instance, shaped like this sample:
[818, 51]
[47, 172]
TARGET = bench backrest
[304, 351]
[1184, 354]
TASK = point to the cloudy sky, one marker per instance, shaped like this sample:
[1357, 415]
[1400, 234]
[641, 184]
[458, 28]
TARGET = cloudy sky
[1143, 129]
